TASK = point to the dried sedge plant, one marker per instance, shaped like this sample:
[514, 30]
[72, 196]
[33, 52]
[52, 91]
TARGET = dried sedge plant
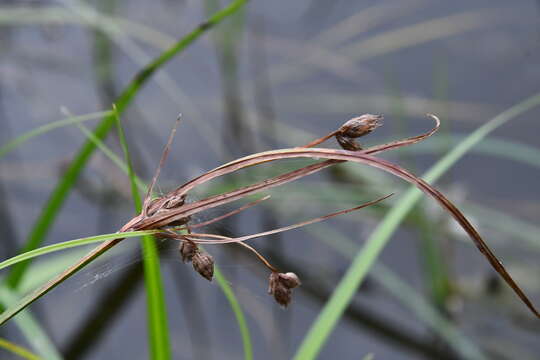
[171, 214]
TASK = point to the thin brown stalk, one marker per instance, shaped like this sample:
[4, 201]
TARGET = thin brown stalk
[285, 228]
[232, 166]
[230, 213]
[171, 208]
[321, 140]
[259, 256]
[148, 197]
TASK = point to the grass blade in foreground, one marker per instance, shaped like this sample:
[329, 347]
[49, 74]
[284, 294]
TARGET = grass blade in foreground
[36, 336]
[332, 311]
[17, 350]
[9, 146]
[158, 331]
[59, 194]
[423, 310]
[221, 280]
[238, 313]
[70, 244]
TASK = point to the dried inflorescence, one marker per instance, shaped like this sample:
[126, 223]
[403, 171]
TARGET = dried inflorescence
[171, 210]
[187, 250]
[202, 262]
[347, 134]
[281, 285]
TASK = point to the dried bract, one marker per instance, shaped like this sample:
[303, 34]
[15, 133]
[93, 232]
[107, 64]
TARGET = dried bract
[187, 250]
[281, 285]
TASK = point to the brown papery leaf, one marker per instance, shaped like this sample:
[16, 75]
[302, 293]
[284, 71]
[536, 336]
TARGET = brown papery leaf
[255, 159]
[359, 157]
[240, 163]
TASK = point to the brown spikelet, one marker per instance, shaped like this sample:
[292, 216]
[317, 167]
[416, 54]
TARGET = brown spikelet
[187, 250]
[203, 263]
[356, 127]
[281, 285]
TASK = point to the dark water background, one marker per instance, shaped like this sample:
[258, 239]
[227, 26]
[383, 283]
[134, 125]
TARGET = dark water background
[307, 85]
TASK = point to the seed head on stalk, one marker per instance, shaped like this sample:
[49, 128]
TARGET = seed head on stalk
[171, 214]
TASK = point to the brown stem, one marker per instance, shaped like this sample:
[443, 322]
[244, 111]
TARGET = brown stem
[262, 258]
[320, 140]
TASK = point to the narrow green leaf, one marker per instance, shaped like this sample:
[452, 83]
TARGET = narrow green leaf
[423, 310]
[18, 350]
[158, 331]
[30, 328]
[238, 313]
[220, 278]
[344, 292]
[19, 140]
[57, 197]
[70, 244]
[111, 155]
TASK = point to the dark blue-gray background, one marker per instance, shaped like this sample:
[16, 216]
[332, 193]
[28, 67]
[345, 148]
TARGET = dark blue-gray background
[302, 67]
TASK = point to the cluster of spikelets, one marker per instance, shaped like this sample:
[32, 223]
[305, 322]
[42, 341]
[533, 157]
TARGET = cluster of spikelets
[280, 284]
[170, 214]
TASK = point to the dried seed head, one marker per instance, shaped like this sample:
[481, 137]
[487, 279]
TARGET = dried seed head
[280, 286]
[187, 250]
[290, 280]
[360, 126]
[203, 263]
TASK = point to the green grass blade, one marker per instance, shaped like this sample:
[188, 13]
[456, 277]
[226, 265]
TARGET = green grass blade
[59, 194]
[19, 140]
[30, 328]
[445, 328]
[18, 350]
[344, 292]
[406, 295]
[111, 155]
[497, 147]
[70, 244]
[131, 173]
[158, 330]
[220, 278]
[238, 313]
